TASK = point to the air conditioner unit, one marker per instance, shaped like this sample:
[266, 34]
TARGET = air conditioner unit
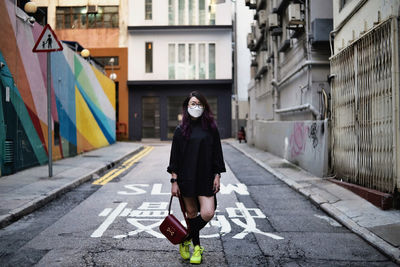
[262, 17]
[91, 9]
[294, 14]
[273, 20]
[250, 40]
[263, 58]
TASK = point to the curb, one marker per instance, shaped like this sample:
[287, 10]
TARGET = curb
[380, 244]
[39, 202]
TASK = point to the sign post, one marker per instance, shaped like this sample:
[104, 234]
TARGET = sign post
[48, 43]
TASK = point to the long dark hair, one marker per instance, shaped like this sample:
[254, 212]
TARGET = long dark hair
[207, 118]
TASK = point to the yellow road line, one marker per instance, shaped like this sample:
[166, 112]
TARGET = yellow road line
[123, 167]
[98, 181]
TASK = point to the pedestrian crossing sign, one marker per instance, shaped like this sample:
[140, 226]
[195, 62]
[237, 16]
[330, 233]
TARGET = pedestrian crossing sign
[47, 41]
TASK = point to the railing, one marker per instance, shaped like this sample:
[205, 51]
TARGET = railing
[364, 98]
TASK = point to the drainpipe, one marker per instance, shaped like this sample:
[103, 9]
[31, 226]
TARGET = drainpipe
[305, 64]
[299, 109]
[275, 79]
[308, 48]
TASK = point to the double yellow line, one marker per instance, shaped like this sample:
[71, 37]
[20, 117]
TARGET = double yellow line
[123, 167]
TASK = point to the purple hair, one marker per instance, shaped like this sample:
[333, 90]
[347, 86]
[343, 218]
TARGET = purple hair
[207, 118]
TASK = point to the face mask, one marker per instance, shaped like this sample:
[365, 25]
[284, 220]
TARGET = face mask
[195, 112]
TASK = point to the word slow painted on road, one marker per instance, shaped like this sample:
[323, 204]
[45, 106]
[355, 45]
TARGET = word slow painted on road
[149, 215]
[139, 189]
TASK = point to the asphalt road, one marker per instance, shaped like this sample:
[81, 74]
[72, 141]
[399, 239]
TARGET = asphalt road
[259, 222]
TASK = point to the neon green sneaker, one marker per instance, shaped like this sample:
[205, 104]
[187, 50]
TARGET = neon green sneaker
[184, 249]
[197, 255]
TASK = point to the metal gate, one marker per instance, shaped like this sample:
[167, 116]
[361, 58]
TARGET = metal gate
[365, 109]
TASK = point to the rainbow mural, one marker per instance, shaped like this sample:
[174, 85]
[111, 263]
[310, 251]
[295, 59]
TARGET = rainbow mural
[83, 98]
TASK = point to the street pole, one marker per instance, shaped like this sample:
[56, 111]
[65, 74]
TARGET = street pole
[235, 78]
[49, 139]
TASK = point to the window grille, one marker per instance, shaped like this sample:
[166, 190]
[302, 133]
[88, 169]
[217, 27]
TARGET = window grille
[364, 94]
[81, 18]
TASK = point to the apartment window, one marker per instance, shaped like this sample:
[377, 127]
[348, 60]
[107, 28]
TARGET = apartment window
[171, 12]
[181, 7]
[211, 61]
[171, 61]
[148, 9]
[105, 61]
[202, 12]
[202, 61]
[181, 68]
[191, 12]
[211, 8]
[192, 61]
[79, 18]
[149, 57]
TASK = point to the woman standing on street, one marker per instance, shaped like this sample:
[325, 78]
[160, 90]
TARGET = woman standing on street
[196, 163]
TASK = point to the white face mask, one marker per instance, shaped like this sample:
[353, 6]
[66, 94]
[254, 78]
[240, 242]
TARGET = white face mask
[196, 111]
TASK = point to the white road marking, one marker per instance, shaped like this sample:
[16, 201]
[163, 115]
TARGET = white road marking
[109, 220]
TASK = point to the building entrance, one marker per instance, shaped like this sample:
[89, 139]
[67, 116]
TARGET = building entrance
[150, 117]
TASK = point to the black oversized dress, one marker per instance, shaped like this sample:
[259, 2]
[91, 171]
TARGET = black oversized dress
[197, 160]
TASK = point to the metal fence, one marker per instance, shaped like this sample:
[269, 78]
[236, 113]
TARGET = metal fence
[365, 102]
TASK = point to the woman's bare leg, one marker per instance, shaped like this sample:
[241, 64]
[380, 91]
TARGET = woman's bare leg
[207, 207]
[191, 207]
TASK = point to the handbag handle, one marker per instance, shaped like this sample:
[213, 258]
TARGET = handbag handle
[182, 208]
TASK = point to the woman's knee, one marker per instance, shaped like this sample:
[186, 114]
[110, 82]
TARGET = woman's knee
[191, 211]
[207, 214]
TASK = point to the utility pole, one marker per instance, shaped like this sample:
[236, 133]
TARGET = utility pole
[235, 73]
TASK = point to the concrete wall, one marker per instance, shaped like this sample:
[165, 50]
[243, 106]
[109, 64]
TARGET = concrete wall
[136, 54]
[360, 22]
[304, 143]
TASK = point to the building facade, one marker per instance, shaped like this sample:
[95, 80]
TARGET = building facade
[101, 27]
[365, 93]
[244, 17]
[82, 97]
[176, 47]
[289, 90]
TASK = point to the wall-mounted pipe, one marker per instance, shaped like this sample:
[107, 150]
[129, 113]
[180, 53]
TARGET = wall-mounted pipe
[299, 108]
[306, 63]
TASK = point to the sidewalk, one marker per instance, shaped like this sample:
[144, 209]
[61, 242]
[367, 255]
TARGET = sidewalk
[27, 190]
[379, 228]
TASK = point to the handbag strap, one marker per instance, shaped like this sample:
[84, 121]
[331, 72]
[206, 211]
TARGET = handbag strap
[183, 209]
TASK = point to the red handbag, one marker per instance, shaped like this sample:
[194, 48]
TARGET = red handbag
[172, 228]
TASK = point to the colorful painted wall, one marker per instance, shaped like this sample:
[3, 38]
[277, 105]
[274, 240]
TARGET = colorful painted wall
[83, 98]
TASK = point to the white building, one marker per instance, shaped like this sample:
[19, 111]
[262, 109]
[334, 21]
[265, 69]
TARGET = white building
[175, 47]
[289, 89]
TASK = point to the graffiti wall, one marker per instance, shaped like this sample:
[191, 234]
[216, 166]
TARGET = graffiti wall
[304, 143]
[83, 98]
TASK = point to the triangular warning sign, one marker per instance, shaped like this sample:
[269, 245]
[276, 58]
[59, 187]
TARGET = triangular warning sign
[47, 41]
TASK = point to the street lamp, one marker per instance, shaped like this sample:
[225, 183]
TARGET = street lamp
[113, 76]
[30, 7]
[85, 53]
